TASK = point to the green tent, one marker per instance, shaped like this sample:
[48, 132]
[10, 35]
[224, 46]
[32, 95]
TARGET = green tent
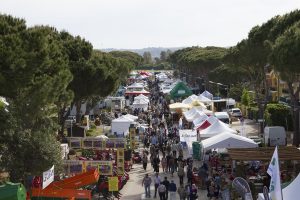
[180, 91]
[12, 191]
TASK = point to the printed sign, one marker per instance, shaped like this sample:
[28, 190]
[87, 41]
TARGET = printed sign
[48, 177]
[113, 184]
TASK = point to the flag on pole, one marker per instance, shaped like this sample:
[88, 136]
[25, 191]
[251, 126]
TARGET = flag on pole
[274, 172]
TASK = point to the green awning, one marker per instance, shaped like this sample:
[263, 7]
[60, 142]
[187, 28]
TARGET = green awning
[12, 191]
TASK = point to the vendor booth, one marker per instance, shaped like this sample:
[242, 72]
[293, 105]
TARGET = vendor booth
[206, 123]
[180, 91]
[227, 140]
[141, 104]
[207, 94]
[216, 128]
[121, 125]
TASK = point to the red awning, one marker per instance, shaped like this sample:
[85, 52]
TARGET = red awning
[204, 125]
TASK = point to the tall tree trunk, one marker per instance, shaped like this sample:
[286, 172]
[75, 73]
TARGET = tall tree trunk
[294, 100]
[61, 120]
[78, 111]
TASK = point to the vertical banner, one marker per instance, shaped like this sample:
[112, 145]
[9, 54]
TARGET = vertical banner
[120, 161]
[113, 184]
[48, 177]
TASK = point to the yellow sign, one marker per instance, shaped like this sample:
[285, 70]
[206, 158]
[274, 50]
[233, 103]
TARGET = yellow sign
[120, 161]
[113, 184]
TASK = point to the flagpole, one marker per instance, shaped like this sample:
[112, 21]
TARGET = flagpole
[279, 172]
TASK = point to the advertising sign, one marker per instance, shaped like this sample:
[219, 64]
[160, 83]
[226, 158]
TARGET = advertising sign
[120, 161]
[113, 184]
[48, 177]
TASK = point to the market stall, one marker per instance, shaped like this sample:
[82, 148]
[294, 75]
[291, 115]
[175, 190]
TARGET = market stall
[216, 128]
[227, 140]
[121, 125]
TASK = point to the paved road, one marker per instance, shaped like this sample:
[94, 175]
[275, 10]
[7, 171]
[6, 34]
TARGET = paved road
[133, 190]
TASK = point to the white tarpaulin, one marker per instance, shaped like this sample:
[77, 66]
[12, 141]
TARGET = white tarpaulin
[216, 128]
[207, 94]
[48, 177]
[199, 120]
[121, 125]
[188, 136]
[289, 192]
[228, 140]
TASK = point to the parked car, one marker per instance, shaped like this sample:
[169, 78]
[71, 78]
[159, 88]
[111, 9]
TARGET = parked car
[223, 116]
[235, 112]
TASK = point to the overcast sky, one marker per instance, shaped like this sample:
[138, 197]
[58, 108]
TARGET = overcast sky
[151, 23]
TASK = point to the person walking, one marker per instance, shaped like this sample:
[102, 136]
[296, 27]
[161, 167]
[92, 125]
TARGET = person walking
[180, 173]
[182, 192]
[162, 191]
[146, 183]
[167, 184]
[194, 192]
[164, 164]
[172, 190]
[156, 183]
[145, 161]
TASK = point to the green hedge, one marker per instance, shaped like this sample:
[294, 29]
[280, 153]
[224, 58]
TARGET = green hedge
[279, 115]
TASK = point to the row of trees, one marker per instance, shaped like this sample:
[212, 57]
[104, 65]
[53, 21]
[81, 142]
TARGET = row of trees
[272, 45]
[43, 71]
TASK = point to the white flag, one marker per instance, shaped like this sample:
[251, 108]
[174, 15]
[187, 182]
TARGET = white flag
[48, 177]
[273, 171]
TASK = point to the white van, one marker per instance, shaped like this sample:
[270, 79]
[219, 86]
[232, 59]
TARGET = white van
[223, 116]
[275, 135]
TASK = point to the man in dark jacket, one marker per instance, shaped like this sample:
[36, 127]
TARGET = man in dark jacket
[166, 183]
[172, 190]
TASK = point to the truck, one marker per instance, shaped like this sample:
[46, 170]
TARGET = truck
[275, 135]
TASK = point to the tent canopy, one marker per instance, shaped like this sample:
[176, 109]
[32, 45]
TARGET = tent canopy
[216, 128]
[180, 90]
[203, 99]
[123, 119]
[206, 123]
[207, 94]
[179, 106]
[228, 140]
[131, 117]
[199, 120]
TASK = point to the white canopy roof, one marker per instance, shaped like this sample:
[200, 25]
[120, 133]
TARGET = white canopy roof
[203, 98]
[141, 101]
[131, 116]
[136, 85]
[289, 192]
[190, 99]
[228, 140]
[211, 120]
[216, 128]
[123, 119]
[207, 94]
[141, 96]
[199, 120]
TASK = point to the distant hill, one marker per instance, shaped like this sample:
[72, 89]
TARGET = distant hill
[155, 51]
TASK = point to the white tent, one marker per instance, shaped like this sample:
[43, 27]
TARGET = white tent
[203, 99]
[206, 123]
[207, 94]
[228, 140]
[141, 96]
[216, 128]
[190, 99]
[290, 192]
[199, 120]
[140, 103]
[134, 118]
[121, 125]
[136, 85]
